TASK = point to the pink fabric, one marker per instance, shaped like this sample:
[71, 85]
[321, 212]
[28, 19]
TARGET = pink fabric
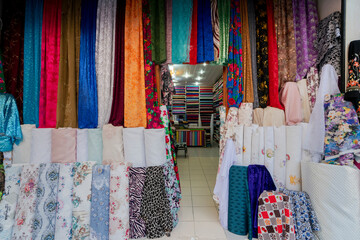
[290, 98]
[63, 145]
[50, 55]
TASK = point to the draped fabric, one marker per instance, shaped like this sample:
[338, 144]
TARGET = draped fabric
[247, 68]
[82, 145]
[168, 33]
[113, 145]
[134, 146]
[262, 52]
[2, 78]
[158, 31]
[134, 65]
[40, 145]
[12, 35]
[205, 42]
[167, 86]
[285, 36]
[305, 22]
[50, 55]
[155, 147]
[293, 157]
[21, 152]
[215, 28]
[252, 34]
[224, 25]
[88, 100]
[235, 68]
[32, 60]
[117, 108]
[181, 28]
[152, 105]
[68, 86]
[193, 34]
[95, 145]
[104, 57]
[63, 138]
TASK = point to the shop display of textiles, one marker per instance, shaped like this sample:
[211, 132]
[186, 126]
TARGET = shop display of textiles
[206, 105]
[192, 104]
[179, 101]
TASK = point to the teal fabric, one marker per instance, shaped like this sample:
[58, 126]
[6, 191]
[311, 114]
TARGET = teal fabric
[95, 145]
[239, 213]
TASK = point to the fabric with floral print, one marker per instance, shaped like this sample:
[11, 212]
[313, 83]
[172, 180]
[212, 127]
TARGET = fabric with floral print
[81, 200]
[46, 200]
[312, 83]
[222, 113]
[306, 221]
[25, 208]
[9, 201]
[167, 85]
[245, 114]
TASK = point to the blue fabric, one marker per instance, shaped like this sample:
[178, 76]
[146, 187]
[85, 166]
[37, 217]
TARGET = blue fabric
[259, 179]
[100, 199]
[87, 108]
[181, 30]
[205, 40]
[32, 61]
[10, 130]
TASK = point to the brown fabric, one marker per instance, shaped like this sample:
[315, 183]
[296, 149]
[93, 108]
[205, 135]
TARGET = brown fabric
[247, 67]
[284, 26]
[66, 113]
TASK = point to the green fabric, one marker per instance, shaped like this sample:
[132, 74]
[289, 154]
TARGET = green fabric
[2, 79]
[158, 33]
[224, 26]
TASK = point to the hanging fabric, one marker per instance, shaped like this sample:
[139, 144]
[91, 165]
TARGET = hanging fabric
[285, 36]
[134, 146]
[82, 145]
[134, 74]
[205, 42]
[50, 55]
[193, 34]
[12, 40]
[117, 108]
[215, 28]
[152, 105]
[305, 22]
[234, 82]
[21, 152]
[32, 60]
[88, 100]
[312, 82]
[167, 85]
[252, 51]
[40, 145]
[279, 175]
[353, 84]
[2, 78]
[262, 52]
[113, 145]
[224, 25]
[155, 147]
[181, 28]
[293, 157]
[95, 145]
[68, 87]
[158, 34]
[291, 100]
[168, 22]
[63, 138]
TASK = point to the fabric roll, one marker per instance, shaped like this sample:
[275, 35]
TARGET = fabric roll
[25, 208]
[273, 117]
[117, 108]
[247, 146]
[119, 202]
[41, 145]
[291, 99]
[293, 157]
[50, 56]
[167, 86]
[88, 99]
[269, 149]
[155, 148]
[215, 28]
[12, 49]
[224, 25]
[285, 36]
[255, 145]
[305, 104]
[158, 26]
[134, 146]
[258, 117]
[205, 41]
[100, 199]
[279, 175]
[104, 57]
[136, 186]
[239, 202]
[155, 207]
[63, 139]
[134, 74]
[82, 145]
[113, 145]
[81, 199]
[239, 143]
[312, 82]
[46, 201]
[193, 34]
[181, 26]
[305, 22]
[21, 151]
[95, 145]
[168, 33]
[245, 114]
[259, 179]
[68, 86]
[64, 202]
[9, 200]
[252, 35]
[32, 60]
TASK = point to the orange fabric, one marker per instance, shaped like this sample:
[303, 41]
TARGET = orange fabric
[135, 108]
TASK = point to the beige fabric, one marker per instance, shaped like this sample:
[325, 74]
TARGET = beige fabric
[258, 116]
[304, 100]
[63, 145]
[273, 117]
[113, 145]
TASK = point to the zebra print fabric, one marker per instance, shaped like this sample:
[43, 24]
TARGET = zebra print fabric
[215, 28]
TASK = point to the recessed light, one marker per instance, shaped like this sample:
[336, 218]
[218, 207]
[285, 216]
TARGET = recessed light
[202, 71]
[197, 83]
[205, 64]
[171, 67]
[187, 75]
[198, 78]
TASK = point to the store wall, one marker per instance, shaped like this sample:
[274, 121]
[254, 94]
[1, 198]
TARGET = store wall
[326, 7]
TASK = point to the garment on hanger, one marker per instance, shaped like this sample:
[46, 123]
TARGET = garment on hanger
[224, 24]
[291, 100]
[61, 139]
[215, 28]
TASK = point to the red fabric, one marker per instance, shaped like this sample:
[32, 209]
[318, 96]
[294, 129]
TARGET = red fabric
[273, 58]
[193, 37]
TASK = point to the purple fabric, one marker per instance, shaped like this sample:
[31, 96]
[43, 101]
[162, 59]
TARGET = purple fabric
[305, 23]
[259, 179]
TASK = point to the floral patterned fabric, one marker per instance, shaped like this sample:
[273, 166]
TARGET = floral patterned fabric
[312, 82]
[167, 86]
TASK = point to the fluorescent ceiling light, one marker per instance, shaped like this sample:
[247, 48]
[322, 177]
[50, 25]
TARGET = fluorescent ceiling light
[202, 71]
[198, 78]
[187, 75]
[197, 83]
[205, 64]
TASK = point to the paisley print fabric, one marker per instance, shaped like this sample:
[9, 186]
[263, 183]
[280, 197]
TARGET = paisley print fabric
[46, 200]
[100, 198]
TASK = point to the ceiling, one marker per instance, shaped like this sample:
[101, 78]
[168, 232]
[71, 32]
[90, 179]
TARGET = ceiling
[200, 74]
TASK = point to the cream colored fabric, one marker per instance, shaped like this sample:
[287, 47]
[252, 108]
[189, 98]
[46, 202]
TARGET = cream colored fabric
[113, 145]
[273, 117]
[304, 100]
[258, 116]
